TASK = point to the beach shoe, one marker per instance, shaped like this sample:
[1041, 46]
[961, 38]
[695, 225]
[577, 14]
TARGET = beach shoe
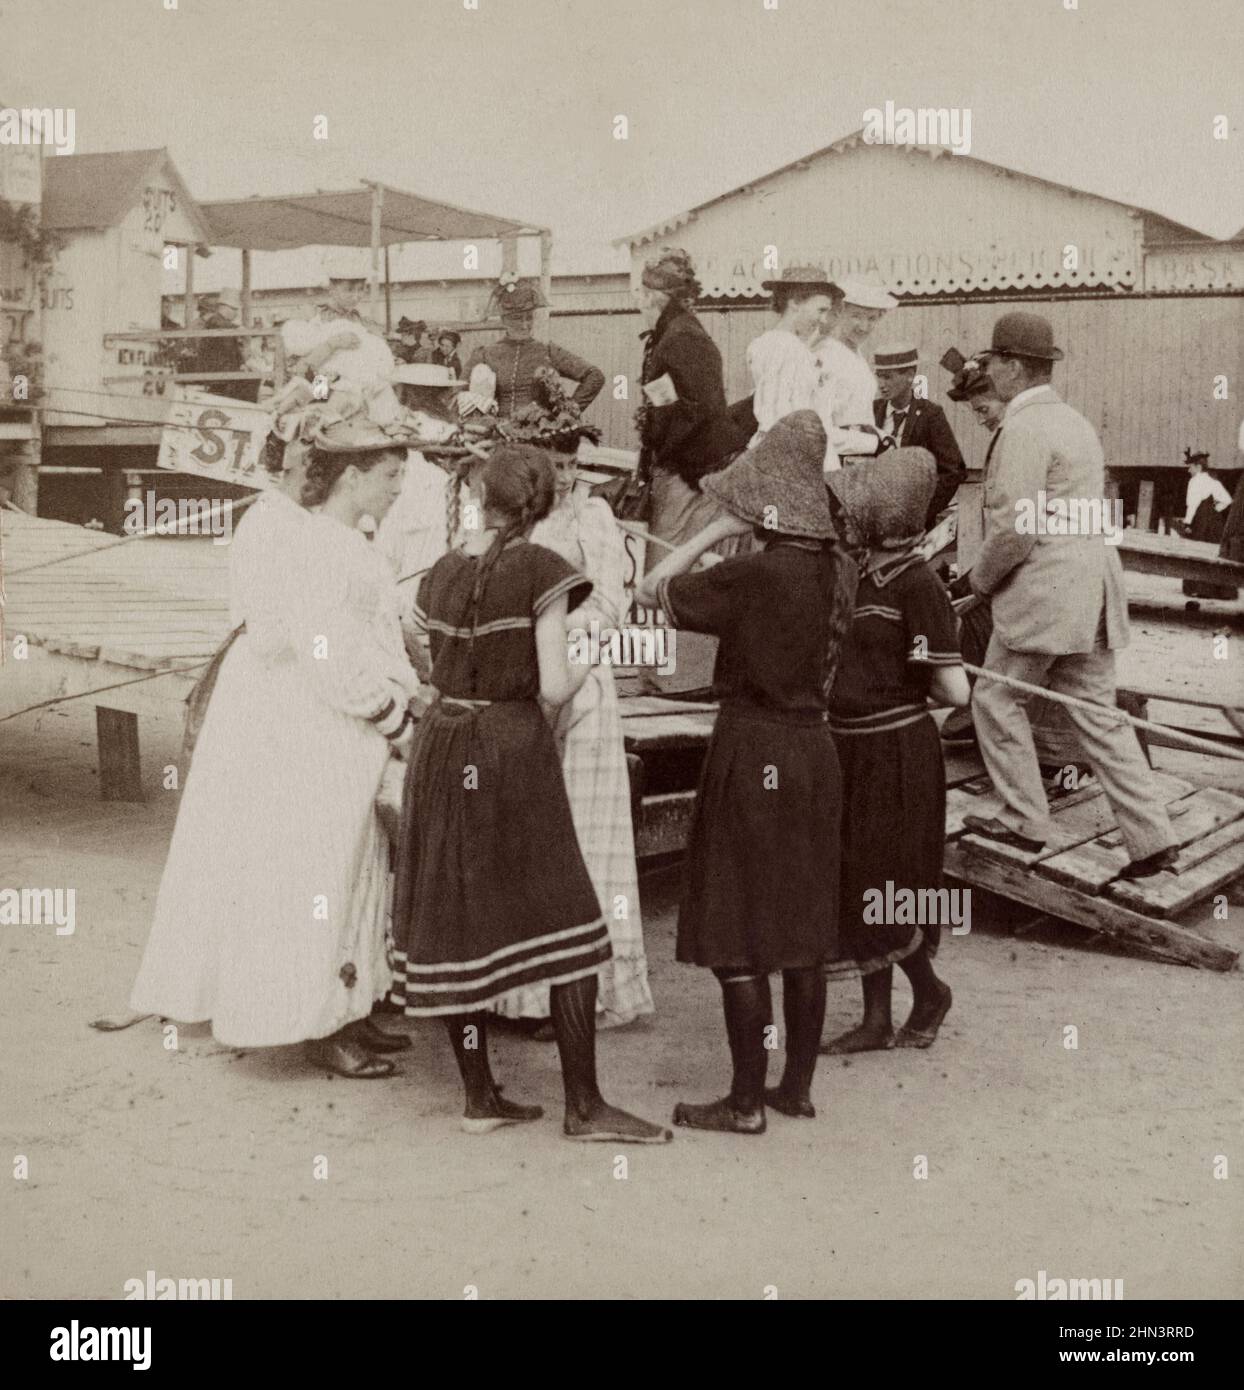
[375, 1039]
[926, 1036]
[606, 1124]
[507, 1112]
[797, 1107]
[347, 1057]
[719, 1116]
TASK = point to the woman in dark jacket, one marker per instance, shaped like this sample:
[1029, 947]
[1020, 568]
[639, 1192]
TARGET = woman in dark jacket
[685, 428]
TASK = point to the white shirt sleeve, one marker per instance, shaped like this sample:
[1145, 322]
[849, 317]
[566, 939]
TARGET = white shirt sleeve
[784, 376]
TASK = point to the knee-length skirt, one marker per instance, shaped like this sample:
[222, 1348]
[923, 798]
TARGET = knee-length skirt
[492, 893]
[762, 861]
[893, 833]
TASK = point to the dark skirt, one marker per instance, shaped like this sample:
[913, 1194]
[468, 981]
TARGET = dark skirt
[762, 862]
[1209, 524]
[492, 893]
[893, 832]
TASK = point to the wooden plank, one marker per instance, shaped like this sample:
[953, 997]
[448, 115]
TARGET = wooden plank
[1079, 816]
[1101, 914]
[665, 823]
[1203, 866]
[120, 774]
[667, 731]
[962, 765]
[1144, 506]
[1089, 867]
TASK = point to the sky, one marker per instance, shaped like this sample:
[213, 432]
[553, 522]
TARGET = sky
[510, 107]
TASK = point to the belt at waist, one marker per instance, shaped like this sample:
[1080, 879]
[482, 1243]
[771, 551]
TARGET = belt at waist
[810, 718]
[881, 721]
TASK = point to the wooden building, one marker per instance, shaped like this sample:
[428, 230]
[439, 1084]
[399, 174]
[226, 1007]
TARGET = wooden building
[1149, 312]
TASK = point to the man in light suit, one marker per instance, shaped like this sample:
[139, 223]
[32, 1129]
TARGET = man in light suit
[1059, 607]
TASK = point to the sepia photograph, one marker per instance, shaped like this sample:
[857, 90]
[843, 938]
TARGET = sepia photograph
[659, 581]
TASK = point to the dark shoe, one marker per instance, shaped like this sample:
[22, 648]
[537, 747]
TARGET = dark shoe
[994, 830]
[606, 1124]
[348, 1057]
[375, 1039]
[797, 1107]
[501, 1112]
[1152, 863]
[926, 1035]
[719, 1115]
[861, 1039]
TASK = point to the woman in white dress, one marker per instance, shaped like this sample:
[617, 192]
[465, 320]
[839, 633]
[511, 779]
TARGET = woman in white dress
[582, 530]
[270, 919]
[784, 373]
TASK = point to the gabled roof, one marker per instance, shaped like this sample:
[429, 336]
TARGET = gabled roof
[849, 142]
[344, 219]
[98, 190]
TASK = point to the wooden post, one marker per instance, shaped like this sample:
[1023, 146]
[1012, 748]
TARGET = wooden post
[26, 475]
[373, 279]
[120, 773]
[546, 280]
[246, 288]
[1144, 506]
[388, 295]
[191, 308]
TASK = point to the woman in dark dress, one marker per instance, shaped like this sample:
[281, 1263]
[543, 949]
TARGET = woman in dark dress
[492, 892]
[762, 865]
[901, 648]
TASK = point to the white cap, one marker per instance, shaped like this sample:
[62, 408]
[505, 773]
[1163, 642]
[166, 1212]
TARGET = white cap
[866, 296]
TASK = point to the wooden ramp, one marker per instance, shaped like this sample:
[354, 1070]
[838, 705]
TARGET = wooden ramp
[1076, 875]
[130, 623]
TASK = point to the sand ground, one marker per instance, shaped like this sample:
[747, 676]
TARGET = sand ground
[201, 1162]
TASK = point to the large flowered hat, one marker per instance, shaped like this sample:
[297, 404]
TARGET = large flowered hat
[887, 498]
[551, 420]
[779, 484]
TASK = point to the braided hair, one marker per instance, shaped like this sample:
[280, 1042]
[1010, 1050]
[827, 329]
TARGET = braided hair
[518, 483]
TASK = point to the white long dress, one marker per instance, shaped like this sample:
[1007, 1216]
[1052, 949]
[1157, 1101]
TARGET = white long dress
[583, 532]
[270, 919]
[784, 377]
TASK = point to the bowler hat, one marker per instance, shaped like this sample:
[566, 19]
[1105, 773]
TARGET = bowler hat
[803, 277]
[779, 484]
[1019, 334]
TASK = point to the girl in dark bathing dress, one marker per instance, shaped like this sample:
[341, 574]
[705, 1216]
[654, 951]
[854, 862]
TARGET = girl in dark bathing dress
[761, 889]
[902, 647]
[492, 893]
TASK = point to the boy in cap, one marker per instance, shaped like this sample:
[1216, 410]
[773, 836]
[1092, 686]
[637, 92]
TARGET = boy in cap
[916, 423]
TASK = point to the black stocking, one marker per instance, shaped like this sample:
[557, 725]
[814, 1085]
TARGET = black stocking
[749, 1011]
[803, 1008]
[468, 1035]
[918, 967]
[573, 1010]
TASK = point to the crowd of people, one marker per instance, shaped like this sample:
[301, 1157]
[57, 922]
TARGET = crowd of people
[788, 549]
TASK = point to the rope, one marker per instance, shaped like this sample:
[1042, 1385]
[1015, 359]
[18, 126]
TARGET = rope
[1073, 702]
[99, 690]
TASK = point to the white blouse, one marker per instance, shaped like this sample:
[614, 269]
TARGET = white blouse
[582, 530]
[784, 376]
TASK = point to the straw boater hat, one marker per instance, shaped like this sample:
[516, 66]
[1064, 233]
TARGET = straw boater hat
[355, 435]
[807, 277]
[430, 374]
[896, 358]
[1023, 335]
[888, 497]
[780, 481]
[866, 296]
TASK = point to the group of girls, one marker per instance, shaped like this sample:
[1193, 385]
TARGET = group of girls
[823, 777]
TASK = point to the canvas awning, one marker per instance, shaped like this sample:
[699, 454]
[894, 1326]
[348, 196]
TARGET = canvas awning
[346, 219]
